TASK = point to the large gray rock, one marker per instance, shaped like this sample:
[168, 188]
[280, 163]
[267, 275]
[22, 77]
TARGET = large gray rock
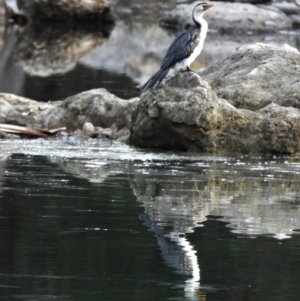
[43, 52]
[256, 75]
[164, 117]
[186, 113]
[227, 16]
[98, 107]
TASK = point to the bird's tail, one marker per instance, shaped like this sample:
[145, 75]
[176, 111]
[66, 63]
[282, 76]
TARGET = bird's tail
[156, 79]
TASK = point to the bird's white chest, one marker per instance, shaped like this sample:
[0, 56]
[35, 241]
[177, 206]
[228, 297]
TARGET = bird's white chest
[197, 50]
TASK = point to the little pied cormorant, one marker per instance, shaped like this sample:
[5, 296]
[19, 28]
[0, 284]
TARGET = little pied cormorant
[184, 49]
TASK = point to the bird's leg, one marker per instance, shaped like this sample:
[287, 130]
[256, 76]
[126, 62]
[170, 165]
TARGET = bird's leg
[188, 69]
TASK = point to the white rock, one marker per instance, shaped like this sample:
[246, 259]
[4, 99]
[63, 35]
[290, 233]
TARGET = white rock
[88, 129]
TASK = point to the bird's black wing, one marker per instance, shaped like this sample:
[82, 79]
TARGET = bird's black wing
[181, 47]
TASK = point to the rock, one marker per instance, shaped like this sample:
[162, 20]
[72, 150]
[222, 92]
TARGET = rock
[59, 32]
[44, 50]
[19, 110]
[291, 9]
[122, 135]
[98, 131]
[186, 114]
[4, 135]
[98, 107]
[288, 95]
[253, 76]
[55, 8]
[107, 132]
[88, 129]
[287, 7]
[236, 17]
[164, 117]
[77, 132]
[55, 51]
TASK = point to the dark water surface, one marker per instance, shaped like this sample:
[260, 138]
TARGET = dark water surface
[91, 220]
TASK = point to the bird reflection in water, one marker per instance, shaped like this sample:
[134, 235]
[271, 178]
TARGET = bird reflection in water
[178, 254]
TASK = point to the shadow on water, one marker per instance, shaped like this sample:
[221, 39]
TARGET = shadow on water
[203, 211]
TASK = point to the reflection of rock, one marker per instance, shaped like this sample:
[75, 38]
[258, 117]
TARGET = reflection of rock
[266, 204]
[233, 16]
[93, 172]
[181, 206]
[186, 114]
[44, 51]
[270, 216]
[253, 198]
[254, 195]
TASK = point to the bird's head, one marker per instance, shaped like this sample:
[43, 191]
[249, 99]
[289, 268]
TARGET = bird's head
[201, 8]
[199, 11]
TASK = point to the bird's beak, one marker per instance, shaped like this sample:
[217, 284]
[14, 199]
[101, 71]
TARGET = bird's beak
[208, 7]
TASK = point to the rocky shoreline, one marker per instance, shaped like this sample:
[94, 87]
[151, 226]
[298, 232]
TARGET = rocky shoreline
[248, 102]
